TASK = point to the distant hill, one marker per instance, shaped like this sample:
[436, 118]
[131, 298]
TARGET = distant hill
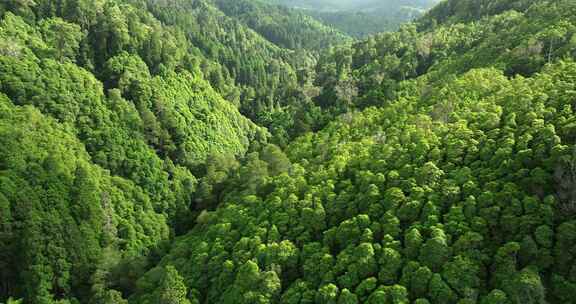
[363, 17]
[281, 25]
[354, 5]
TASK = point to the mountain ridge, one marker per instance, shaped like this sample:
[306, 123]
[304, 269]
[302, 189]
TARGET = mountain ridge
[362, 18]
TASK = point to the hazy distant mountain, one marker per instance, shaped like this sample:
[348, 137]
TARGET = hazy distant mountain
[355, 5]
[362, 17]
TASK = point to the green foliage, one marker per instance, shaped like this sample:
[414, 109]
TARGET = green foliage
[64, 209]
[245, 68]
[118, 169]
[361, 18]
[434, 164]
[478, 217]
[519, 37]
[172, 289]
[287, 28]
[63, 37]
[475, 239]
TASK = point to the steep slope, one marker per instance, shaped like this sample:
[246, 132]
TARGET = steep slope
[362, 24]
[461, 194]
[517, 42]
[111, 100]
[444, 170]
[458, 188]
[285, 27]
[254, 64]
[60, 212]
[156, 125]
[451, 11]
[364, 17]
[260, 77]
[112, 113]
[267, 80]
[354, 5]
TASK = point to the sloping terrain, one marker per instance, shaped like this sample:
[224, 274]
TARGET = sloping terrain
[361, 18]
[434, 164]
[458, 188]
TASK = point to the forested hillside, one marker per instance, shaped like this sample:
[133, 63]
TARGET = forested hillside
[105, 117]
[283, 26]
[266, 79]
[360, 18]
[214, 151]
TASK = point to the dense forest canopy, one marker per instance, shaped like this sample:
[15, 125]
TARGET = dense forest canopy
[285, 27]
[240, 151]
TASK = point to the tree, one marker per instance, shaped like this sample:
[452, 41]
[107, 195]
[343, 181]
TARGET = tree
[254, 172]
[544, 236]
[420, 280]
[398, 294]
[220, 168]
[327, 294]
[63, 37]
[390, 265]
[463, 275]
[528, 253]
[553, 36]
[112, 35]
[391, 224]
[364, 289]
[435, 251]
[346, 297]
[172, 289]
[130, 74]
[346, 92]
[277, 161]
[439, 291]
[112, 297]
[412, 242]
[527, 288]
[496, 296]
[505, 265]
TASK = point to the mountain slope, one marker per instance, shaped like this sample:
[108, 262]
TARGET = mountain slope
[407, 202]
[362, 18]
[132, 138]
[518, 42]
[354, 5]
[440, 169]
[266, 79]
[458, 188]
[285, 27]
[112, 112]
[60, 212]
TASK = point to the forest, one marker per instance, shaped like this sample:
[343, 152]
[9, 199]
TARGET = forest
[361, 18]
[247, 152]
